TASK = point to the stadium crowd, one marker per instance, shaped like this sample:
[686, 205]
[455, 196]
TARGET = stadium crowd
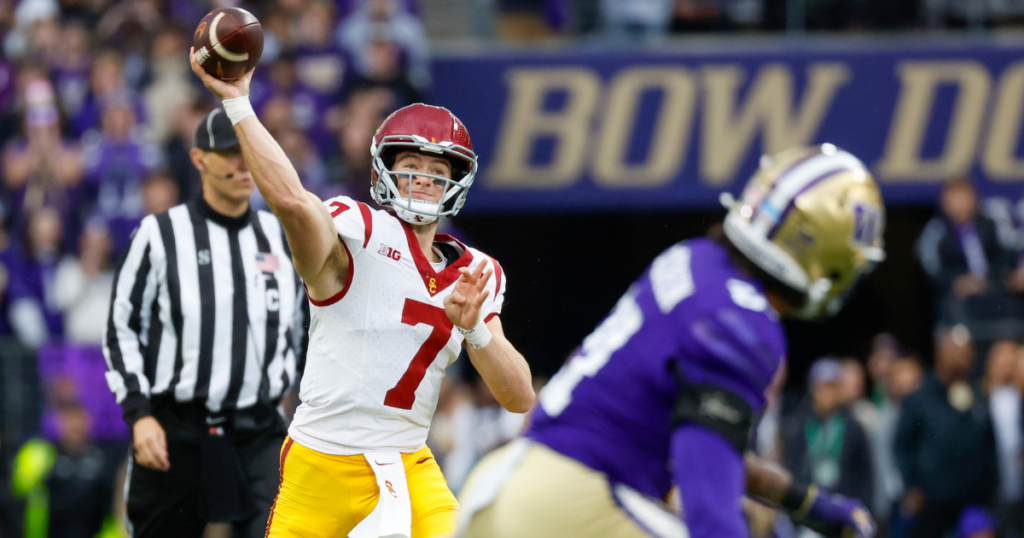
[97, 111]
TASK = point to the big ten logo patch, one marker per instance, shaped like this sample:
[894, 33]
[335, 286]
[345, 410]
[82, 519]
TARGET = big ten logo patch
[391, 489]
[389, 252]
[203, 257]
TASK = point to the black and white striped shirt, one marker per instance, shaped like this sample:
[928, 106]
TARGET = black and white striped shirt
[178, 327]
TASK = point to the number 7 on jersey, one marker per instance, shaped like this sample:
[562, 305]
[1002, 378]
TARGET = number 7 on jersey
[403, 394]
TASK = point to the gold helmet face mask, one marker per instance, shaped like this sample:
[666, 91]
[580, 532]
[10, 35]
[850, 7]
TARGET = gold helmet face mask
[812, 218]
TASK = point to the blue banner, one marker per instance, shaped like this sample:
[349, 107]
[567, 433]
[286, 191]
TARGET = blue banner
[578, 129]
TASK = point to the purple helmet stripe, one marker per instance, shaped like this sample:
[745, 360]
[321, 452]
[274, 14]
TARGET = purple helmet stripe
[782, 174]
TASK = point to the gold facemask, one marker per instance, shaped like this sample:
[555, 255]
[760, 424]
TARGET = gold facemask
[812, 218]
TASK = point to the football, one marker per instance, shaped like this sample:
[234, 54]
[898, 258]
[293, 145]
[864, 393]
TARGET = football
[228, 42]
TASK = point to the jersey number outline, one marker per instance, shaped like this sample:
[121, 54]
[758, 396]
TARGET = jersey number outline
[613, 333]
[403, 394]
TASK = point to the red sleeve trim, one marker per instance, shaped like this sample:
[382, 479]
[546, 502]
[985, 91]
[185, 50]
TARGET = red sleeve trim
[497, 276]
[367, 222]
[490, 317]
[348, 281]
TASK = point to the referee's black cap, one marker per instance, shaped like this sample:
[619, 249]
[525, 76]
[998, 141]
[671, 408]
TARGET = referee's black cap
[215, 133]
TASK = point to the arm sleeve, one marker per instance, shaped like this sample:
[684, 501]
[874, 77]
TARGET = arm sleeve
[122, 341]
[710, 475]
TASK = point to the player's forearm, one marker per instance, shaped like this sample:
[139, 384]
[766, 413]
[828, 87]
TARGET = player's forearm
[766, 481]
[506, 373]
[273, 172]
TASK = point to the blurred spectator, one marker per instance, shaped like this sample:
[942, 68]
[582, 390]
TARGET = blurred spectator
[975, 523]
[639, 19]
[358, 119]
[707, 15]
[34, 22]
[83, 287]
[962, 254]
[70, 68]
[385, 20]
[1004, 398]
[385, 70]
[286, 102]
[945, 443]
[170, 87]
[823, 443]
[129, 24]
[41, 168]
[479, 425]
[80, 491]
[66, 479]
[885, 350]
[441, 436]
[304, 157]
[107, 84]
[902, 379]
[852, 385]
[319, 62]
[117, 162]
[176, 150]
[34, 315]
[159, 193]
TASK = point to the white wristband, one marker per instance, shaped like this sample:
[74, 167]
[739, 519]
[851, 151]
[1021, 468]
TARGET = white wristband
[238, 109]
[478, 336]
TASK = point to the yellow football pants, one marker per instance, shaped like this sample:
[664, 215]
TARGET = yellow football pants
[326, 496]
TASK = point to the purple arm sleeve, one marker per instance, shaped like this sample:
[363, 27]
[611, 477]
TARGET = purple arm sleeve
[710, 475]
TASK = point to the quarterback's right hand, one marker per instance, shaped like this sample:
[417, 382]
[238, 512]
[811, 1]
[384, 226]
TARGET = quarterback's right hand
[836, 516]
[150, 443]
[222, 89]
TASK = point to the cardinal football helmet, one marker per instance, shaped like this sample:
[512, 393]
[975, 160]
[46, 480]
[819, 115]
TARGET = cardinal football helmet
[430, 130]
[812, 218]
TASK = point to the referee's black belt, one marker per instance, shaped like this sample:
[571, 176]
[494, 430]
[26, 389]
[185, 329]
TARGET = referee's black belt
[188, 420]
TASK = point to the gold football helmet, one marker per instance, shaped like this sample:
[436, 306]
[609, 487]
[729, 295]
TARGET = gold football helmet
[813, 218]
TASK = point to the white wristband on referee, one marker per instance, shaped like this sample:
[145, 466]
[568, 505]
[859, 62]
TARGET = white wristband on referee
[478, 336]
[238, 108]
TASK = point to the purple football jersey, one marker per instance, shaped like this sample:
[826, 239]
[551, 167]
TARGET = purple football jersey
[609, 407]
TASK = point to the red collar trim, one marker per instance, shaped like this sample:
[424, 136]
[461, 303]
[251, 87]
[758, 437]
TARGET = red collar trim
[435, 282]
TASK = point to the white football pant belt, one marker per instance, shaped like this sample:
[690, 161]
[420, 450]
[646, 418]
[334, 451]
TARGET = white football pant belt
[392, 517]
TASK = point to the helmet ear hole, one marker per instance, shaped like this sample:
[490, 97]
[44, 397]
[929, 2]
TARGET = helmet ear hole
[834, 276]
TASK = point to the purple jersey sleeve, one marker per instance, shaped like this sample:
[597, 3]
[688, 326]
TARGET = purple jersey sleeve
[710, 476]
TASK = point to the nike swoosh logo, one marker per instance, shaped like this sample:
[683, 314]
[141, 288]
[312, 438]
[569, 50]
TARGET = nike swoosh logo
[379, 463]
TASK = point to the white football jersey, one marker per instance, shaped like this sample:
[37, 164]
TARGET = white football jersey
[378, 349]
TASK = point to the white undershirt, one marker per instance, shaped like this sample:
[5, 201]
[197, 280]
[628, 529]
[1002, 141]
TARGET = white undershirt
[439, 266]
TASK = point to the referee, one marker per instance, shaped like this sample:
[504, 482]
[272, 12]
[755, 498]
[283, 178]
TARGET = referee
[200, 344]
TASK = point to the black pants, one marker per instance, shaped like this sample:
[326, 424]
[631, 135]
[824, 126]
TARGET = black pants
[170, 504]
